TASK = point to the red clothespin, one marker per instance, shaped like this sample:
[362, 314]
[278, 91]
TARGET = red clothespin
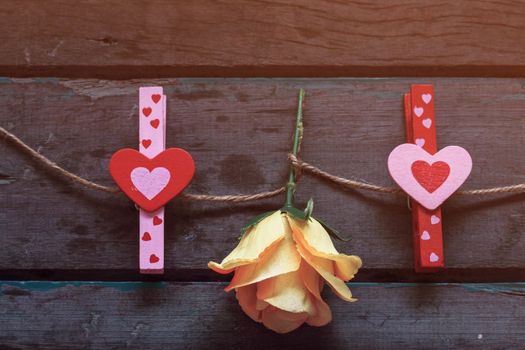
[428, 176]
[427, 232]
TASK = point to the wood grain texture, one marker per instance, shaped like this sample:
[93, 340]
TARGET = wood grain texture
[157, 316]
[112, 39]
[239, 132]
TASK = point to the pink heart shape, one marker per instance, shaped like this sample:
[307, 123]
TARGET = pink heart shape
[426, 98]
[149, 183]
[427, 123]
[420, 142]
[400, 163]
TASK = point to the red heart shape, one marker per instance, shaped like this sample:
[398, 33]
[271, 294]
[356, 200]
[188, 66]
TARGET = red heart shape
[146, 111]
[175, 162]
[156, 220]
[146, 143]
[153, 259]
[155, 98]
[146, 236]
[431, 177]
[155, 123]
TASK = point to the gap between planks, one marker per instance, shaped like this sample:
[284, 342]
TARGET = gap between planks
[516, 288]
[451, 275]
[293, 71]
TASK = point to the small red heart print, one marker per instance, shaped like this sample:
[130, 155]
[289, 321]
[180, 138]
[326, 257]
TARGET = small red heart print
[431, 177]
[146, 236]
[153, 259]
[146, 111]
[155, 123]
[156, 220]
[146, 143]
[155, 98]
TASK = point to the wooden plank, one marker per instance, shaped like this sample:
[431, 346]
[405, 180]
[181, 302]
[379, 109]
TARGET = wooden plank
[239, 132]
[98, 315]
[156, 38]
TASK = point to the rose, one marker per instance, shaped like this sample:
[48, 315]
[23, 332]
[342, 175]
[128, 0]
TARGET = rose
[280, 267]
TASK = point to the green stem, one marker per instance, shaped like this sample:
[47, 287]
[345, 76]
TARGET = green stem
[297, 137]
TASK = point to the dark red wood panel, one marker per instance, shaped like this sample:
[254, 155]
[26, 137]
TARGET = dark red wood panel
[115, 39]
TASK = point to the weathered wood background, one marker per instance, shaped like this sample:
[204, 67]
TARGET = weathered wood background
[231, 71]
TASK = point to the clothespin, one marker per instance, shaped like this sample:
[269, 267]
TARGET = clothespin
[426, 224]
[152, 176]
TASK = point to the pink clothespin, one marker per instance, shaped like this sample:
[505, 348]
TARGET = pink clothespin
[152, 176]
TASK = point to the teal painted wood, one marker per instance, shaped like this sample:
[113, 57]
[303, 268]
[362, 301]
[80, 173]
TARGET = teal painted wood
[139, 315]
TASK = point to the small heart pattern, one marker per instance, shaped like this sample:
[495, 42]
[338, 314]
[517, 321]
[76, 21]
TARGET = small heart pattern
[157, 221]
[153, 259]
[155, 123]
[429, 179]
[146, 236]
[426, 98]
[155, 98]
[146, 111]
[151, 183]
[418, 111]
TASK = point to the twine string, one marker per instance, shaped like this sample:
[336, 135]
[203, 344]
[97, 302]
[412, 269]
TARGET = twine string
[363, 185]
[52, 166]
[300, 165]
[341, 181]
[235, 198]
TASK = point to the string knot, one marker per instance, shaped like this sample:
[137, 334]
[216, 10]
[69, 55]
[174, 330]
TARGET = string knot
[298, 171]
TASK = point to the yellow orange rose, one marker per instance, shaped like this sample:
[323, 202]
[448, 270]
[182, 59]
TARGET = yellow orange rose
[281, 265]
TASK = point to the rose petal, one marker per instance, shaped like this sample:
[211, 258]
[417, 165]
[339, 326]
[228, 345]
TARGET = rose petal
[286, 292]
[326, 269]
[323, 317]
[261, 304]
[312, 236]
[253, 244]
[282, 321]
[248, 301]
[313, 283]
[278, 260]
